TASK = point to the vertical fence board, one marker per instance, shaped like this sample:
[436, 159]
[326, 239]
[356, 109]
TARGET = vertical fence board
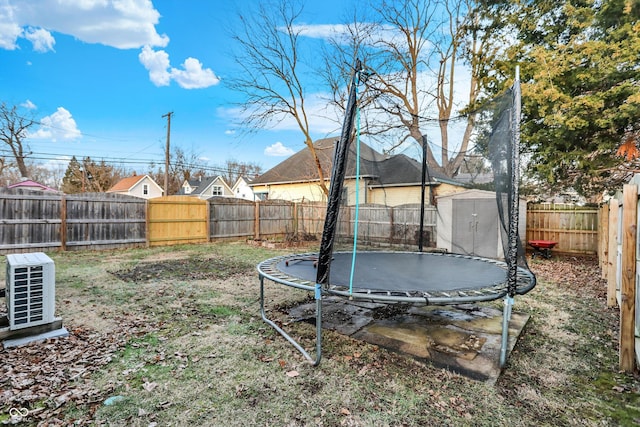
[628, 288]
[603, 239]
[612, 257]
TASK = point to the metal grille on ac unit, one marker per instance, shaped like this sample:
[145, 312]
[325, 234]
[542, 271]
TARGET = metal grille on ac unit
[30, 290]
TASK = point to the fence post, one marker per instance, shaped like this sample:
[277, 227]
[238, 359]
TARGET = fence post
[628, 286]
[256, 220]
[147, 223]
[208, 213]
[391, 223]
[603, 239]
[63, 223]
[296, 217]
[612, 264]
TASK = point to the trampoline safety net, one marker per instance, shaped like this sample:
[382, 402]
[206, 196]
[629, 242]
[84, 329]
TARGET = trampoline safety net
[459, 235]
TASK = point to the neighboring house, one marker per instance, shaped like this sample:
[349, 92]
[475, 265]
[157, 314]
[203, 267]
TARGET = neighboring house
[139, 186]
[391, 180]
[205, 188]
[242, 190]
[27, 184]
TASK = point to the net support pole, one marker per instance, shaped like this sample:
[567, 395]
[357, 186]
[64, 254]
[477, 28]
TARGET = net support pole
[513, 210]
[422, 191]
[337, 183]
[506, 318]
[514, 196]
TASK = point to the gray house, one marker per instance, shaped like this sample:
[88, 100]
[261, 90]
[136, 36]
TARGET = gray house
[206, 187]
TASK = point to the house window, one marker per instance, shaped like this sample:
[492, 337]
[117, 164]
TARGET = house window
[145, 189]
[216, 190]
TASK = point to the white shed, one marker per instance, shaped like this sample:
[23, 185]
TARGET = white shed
[468, 223]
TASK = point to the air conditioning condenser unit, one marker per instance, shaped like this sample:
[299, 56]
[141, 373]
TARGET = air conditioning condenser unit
[30, 290]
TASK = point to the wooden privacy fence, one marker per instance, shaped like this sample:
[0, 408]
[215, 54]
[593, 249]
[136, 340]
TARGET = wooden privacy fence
[619, 261]
[40, 221]
[574, 228]
[33, 221]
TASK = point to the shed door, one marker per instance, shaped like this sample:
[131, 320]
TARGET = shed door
[475, 227]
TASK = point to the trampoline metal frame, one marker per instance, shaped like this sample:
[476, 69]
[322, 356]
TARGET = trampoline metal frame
[267, 270]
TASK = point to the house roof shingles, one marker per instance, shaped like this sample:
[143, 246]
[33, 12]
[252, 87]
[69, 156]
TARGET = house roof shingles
[200, 185]
[126, 183]
[381, 169]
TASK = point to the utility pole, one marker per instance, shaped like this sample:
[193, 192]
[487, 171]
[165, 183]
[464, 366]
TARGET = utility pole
[166, 154]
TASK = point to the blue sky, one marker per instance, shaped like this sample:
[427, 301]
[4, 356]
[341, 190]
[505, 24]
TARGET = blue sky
[99, 75]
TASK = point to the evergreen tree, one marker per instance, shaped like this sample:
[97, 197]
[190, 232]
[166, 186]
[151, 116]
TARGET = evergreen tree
[72, 180]
[580, 87]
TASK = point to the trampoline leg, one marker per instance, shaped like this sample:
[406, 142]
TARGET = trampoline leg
[506, 318]
[293, 342]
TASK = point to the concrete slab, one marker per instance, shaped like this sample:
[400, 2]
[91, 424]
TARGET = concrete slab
[465, 338]
[17, 342]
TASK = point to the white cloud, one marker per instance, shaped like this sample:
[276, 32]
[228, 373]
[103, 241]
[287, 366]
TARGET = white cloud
[157, 63]
[324, 117]
[371, 33]
[58, 126]
[42, 40]
[57, 163]
[29, 105]
[230, 132]
[192, 76]
[9, 28]
[278, 150]
[321, 31]
[123, 24]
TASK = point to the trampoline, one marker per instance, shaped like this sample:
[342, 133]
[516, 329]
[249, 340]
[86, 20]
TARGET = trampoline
[406, 277]
[424, 278]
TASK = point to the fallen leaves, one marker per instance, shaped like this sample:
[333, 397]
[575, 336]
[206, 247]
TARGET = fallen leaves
[582, 277]
[44, 377]
[149, 386]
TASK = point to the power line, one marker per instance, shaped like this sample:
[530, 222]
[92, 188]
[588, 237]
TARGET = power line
[122, 161]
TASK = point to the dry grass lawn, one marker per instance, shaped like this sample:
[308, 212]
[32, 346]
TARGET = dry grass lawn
[173, 336]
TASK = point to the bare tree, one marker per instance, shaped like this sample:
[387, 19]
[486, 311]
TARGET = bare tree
[234, 169]
[270, 59]
[13, 132]
[183, 165]
[412, 50]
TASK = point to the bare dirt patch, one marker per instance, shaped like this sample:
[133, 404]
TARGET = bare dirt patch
[183, 269]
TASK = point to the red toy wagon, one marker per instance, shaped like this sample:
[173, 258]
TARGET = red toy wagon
[542, 247]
